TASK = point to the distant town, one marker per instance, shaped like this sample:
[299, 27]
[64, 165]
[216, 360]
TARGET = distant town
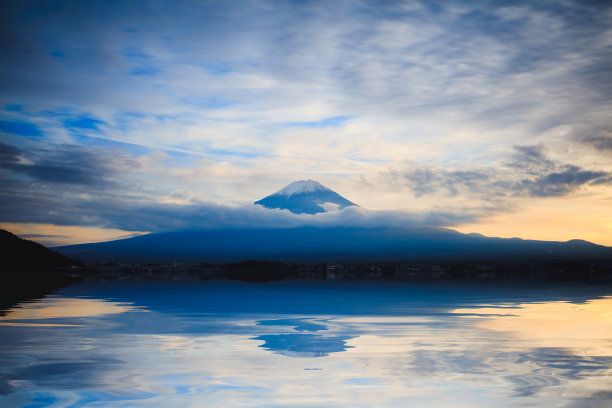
[264, 271]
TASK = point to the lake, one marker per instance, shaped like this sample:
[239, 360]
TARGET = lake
[309, 344]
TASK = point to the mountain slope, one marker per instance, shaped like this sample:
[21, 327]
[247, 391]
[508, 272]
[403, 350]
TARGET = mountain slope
[305, 196]
[310, 244]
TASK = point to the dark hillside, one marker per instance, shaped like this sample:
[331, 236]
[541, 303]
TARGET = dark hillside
[28, 255]
[25, 269]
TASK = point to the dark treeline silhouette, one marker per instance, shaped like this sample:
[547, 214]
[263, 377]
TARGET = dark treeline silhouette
[593, 271]
[257, 271]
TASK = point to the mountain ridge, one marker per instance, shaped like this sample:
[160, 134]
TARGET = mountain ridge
[314, 244]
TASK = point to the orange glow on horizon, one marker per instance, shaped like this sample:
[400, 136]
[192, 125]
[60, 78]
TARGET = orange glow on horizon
[551, 220]
[57, 235]
[59, 307]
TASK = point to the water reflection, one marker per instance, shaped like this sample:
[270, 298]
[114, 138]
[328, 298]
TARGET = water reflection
[221, 344]
[297, 324]
[303, 345]
[53, 308]
[586, 325]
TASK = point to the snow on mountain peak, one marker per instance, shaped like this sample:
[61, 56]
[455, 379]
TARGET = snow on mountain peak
[305, 196]
[300, 187]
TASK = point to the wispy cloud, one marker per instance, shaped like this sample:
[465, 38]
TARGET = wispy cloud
[69, 164]
[529, 173]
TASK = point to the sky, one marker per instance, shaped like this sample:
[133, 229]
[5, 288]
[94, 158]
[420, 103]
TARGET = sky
[120, 118]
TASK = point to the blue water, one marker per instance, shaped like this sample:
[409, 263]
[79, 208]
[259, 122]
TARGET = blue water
[309, 344]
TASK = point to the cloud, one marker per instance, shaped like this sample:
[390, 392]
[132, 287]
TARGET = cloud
[563, 182]
[34, 236]
[9, 155]
[26, 204]
[529, 173]
[542, 177]
[599, 142]
[230, 100]
[599, 136]
[72, 185]
[69, 164]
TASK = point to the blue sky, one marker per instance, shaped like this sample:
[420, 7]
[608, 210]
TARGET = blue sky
[118, 118]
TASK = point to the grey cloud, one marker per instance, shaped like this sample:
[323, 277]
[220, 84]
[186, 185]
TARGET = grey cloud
[424, 180]
[66, 164]
[542, 177]
[530, 158]
[529, 173]
[562, 183]
[9, 155]
[599, 137]
[33, 236]
[600, 142]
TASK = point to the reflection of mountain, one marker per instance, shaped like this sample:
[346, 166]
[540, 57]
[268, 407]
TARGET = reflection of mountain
[328, 244]
[318, 298]
[300, 344]
[303, 345]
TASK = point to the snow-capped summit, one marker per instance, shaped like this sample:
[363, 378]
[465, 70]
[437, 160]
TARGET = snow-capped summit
[305, 196]
[301, 187]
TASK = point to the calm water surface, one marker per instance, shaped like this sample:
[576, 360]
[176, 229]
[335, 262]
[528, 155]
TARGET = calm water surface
[309, 344]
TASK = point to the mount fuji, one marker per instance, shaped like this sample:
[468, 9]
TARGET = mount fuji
[305, 197]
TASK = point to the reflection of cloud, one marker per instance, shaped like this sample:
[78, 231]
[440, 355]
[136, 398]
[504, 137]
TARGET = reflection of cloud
[69, 375]
[58, 307]
[558, 372]
[573, 366]
[552, 324]
[298, 324]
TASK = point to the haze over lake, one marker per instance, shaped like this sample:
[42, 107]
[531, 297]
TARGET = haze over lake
[309, 344]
